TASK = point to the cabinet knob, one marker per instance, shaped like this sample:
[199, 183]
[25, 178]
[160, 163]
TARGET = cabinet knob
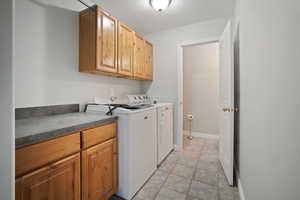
[146, 117]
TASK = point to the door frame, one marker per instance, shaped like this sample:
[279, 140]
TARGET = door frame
[180, 46]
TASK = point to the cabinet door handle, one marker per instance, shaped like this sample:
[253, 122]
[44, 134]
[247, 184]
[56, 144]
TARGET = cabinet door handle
[146, 117]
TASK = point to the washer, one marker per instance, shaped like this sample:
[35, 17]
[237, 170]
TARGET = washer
[137, 142]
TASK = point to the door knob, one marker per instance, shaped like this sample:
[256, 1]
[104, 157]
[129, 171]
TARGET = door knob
[231, 109]
[226, 109]
[236, 110]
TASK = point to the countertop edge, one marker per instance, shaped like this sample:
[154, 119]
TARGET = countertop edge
[41, 137]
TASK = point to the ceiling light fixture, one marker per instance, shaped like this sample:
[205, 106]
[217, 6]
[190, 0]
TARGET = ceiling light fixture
[160, 5]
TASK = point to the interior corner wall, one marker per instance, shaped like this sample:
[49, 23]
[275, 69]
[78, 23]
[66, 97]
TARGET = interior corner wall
[269, 99]
[201, 87]
[164, 86]
[47, 52]
[7, 101]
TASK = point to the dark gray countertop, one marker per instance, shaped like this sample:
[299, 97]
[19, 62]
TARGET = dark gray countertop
[37, 129]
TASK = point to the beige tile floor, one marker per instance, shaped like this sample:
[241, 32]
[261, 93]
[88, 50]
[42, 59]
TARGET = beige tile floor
[193, 174]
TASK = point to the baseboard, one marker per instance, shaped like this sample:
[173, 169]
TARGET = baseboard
[240, 187]
[202, 135]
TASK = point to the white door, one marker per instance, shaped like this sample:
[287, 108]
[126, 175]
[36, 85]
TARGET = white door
[226, 142]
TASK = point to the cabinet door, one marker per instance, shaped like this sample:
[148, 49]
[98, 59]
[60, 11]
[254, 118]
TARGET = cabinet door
[106, 42]
[148, 61]
[59, 181]
[125, 50]
[139, 58]
[99, 171]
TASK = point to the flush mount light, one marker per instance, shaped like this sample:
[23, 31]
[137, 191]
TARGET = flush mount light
[160, 5]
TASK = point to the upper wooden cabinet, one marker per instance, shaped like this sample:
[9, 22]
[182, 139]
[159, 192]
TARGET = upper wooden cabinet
[59, 181]
[139, 58]
[148, 61]
[125, 50]
[143, 59]
[106, 43]
[98, 42]
[109, 47]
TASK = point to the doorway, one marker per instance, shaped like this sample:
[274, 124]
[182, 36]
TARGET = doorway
[226, 99]
[201, 90]
[180, 115]
[197, 165]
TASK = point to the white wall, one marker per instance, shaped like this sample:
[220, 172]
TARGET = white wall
[6, 106]
[47, 42]
[164, 86]
[269, 99]
[201, 87]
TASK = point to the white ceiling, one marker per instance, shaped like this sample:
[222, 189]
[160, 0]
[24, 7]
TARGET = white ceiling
[143, 19]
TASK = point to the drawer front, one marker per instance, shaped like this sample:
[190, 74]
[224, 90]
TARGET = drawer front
[37, 155]
[99, 134]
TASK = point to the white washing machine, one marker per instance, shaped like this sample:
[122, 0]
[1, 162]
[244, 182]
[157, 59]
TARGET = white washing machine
[137, 144]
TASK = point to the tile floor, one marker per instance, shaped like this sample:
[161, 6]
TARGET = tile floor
[193, 174]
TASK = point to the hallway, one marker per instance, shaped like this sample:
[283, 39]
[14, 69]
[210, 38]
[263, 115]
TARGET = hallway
[194, 174]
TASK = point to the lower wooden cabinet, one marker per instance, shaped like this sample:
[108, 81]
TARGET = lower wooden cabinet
[99, 171]
[35, 156]
[89, 173]
[58, 181]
